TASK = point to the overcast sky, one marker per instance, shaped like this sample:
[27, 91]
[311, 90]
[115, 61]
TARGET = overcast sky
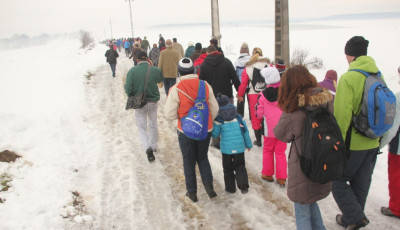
[34, 17]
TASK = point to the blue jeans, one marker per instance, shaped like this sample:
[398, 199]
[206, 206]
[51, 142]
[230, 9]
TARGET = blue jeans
[308, 217]
[113, 68]
[351, 191]
[195, 152]
[168, 83]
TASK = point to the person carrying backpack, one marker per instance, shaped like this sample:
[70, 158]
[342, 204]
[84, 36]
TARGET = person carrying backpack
[273, 149]
[235, 139]
[392, 137]
[299, 90]
[253, 67]
[112, 56]
[351, 191]
[180, 100]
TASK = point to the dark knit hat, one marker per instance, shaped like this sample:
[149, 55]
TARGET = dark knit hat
[356, 46]
[280, 66]
[198, 46]
[214, 42]
[142, 55]
[185, 66]
[244, 48]
[222, 100]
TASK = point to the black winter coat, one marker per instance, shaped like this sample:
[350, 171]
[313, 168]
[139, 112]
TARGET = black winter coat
[219, 72]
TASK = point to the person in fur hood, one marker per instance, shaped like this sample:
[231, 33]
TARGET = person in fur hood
[256, 61]
[273, 148]
[299, 88]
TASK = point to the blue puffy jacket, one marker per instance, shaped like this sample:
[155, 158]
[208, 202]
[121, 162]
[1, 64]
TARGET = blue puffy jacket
[227, 126]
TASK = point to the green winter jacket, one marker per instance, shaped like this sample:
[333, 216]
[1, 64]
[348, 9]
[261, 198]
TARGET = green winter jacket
[348, 98]
[135, 81]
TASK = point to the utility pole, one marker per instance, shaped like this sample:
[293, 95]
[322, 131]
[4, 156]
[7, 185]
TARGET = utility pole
[215, 21]
[130, 11]
[111, 30]
[282, 50]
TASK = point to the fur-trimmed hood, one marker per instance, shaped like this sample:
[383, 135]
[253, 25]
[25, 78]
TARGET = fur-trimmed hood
[261, 59]
[319, 96]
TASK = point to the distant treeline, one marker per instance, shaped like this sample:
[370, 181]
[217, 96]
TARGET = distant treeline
[22, 40]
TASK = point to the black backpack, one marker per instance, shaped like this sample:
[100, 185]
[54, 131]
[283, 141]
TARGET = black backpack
[258, 81]
[324, 153]
[111, 56]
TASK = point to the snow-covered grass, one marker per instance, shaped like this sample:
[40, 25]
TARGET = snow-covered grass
[82, 164]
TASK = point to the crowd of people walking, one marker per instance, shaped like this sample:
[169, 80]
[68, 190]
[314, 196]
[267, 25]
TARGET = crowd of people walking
[277, 105]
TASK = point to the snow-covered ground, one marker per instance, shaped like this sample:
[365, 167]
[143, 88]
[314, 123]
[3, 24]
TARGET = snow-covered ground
[82, 164]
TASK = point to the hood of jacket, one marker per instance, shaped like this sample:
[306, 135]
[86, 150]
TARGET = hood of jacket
[242, 60]
[271, 94]
[214, 59]
[227, 112]
[319, 96]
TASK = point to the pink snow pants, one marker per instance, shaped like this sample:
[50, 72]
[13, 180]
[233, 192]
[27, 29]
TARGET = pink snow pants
[273, 145]
[255, 123]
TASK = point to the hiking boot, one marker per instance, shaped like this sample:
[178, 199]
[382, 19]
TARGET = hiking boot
[360, 224]
[244, 189]
[257, 134]
[387, 212]
[210, 190]
[267, 178]
[150, 155]
[281, 182]
[192, 196]
[339, 220]
[230, 191]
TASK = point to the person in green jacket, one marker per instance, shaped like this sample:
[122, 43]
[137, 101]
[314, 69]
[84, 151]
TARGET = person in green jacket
[351, 191]
[135, 80]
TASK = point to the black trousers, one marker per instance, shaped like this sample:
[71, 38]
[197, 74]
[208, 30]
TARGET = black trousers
[234, 171]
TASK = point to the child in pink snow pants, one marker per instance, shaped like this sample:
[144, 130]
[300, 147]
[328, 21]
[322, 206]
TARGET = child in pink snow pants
[267, 107]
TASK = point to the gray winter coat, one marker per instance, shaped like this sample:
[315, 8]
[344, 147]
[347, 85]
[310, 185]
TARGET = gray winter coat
[290, 126]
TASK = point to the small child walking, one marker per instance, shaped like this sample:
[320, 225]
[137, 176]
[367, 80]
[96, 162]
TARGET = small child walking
[267, 107]
[235, 139]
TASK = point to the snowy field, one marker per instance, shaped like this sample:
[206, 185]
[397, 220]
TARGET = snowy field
[82, 164]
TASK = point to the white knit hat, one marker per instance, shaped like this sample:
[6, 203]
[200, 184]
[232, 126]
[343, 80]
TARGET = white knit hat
[271, 75]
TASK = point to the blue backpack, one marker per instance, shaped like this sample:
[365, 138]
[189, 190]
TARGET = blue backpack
[195, 123]
[378, 107]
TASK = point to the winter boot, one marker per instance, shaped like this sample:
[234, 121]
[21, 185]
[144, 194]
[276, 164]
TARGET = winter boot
[210, 190]
[281, 182]
[267, 178]
[192, 196]
[150, 155]
[360, 224]
[387, 212]
[244, 188]
[257, 134]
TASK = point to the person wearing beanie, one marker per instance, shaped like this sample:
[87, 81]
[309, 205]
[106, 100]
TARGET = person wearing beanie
[146, 117]
[161, 42]
[235, 138]
[257, 61]
[329, 82]
[240, 64]
[219, 72]
[185, 66]
[362, 149]
[392, 136]
[168, 63]
[180, 99]
[280, 66]
[145, 45]
[268, 110]
[154, 55]
[197, 52]
[189, 51]
[178, 47]
[111, 57]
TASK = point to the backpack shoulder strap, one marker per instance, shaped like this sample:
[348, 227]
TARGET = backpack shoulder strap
[201, 95]
[379, 74]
